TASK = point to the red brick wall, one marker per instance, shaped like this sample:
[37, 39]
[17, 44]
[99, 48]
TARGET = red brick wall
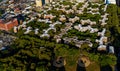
[2, 26]
[9, 25]
[12, 24]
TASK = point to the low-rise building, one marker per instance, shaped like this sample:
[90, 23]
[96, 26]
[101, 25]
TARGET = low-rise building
[62, 19]
[111, 49]
[102, 48]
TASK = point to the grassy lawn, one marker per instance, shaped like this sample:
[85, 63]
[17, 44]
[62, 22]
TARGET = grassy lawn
[92, 67]
[71, 57]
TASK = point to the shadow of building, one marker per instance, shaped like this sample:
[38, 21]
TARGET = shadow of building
[58, 64]
[82, 63]
[58, 69]
[79, 68]
[106, 68]
[118, 62]
[118, 2]
[117, 67]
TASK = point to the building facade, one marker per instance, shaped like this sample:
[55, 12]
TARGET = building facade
[110, 1]
[80, 0]
[8, 25]
[38, 3]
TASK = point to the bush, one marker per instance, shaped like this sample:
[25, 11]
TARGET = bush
[107, 60]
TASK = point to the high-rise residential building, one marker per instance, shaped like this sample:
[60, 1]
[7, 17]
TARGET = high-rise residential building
[47, 1]
[51, 0]
[110, 1]
[38, 3]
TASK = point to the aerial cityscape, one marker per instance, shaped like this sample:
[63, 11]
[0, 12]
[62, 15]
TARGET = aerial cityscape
[59, 35]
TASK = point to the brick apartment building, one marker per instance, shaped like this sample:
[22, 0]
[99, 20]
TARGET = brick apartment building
[8, 25]
[9, 20]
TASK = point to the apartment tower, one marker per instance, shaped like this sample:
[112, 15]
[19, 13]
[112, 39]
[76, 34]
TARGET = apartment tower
[38, 3]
